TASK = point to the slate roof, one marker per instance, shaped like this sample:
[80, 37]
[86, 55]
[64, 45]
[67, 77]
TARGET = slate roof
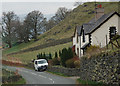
[79, 29]
[92, 25]
[87, 27]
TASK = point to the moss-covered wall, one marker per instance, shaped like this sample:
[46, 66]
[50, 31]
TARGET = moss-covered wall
[101, 68]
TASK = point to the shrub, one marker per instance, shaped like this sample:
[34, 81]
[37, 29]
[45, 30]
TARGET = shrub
[44, 56]
[92, 50]
[50, 62]
[76, 58]
[70, 63]
[65, 55]
[77, 63]
[56, 55]
[38, 56]
[55, 61]
[41, 56]
[70, 53]
[60, 53]
[50, 56]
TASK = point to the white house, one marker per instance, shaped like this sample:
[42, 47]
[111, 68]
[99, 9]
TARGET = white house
[98, 31]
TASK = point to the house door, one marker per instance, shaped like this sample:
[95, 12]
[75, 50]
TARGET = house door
[112, 32]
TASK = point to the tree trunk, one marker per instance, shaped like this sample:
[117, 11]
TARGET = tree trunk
[114, 44]
[10, 45]
[35, 31]
[117, 43]
[9, 33]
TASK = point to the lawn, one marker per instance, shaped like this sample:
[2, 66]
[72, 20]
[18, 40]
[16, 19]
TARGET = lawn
[28, 56]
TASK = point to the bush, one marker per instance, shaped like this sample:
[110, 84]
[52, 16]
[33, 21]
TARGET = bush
[38, 56]
[65, 55]
[60, 53]
[56, 55]
[70, 63]
[77, 63]
[41, 56]
[44, 55]
[92, 50]
[50, 56]
[50, 62]
[55, 61]
[73, 63]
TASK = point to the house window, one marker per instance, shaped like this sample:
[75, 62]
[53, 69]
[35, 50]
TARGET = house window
[83, 36]
[112, 32]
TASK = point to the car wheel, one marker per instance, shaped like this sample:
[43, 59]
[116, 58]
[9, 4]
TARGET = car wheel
[38, 69]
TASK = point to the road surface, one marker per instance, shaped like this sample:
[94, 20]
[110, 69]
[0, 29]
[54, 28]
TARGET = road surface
[34, 77]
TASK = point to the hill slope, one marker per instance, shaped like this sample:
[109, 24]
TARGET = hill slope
[65, 29]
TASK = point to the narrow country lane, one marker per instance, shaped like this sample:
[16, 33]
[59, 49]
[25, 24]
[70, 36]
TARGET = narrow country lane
[34, 77]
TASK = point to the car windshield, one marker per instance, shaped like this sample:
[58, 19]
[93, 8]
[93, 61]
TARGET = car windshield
[42, 62]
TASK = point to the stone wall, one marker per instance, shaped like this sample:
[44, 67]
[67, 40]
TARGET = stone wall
[65, 71]
[53, 43]
[101, 68]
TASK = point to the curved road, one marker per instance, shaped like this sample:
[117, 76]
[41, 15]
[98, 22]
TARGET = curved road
[34, 77]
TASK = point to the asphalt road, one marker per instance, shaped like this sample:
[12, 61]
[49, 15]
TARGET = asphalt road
[34, 77]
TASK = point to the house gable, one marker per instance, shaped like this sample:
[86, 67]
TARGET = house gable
[101, 36]
[96, 27]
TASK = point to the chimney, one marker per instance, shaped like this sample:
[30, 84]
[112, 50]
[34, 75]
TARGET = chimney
[99, 12]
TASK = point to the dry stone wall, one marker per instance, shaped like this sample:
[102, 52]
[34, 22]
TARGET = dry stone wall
[100, 68]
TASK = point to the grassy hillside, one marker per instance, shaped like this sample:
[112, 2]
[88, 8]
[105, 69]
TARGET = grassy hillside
[28, 56]
[65, 29]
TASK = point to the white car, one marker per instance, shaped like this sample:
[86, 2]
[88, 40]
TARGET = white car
[40, 64]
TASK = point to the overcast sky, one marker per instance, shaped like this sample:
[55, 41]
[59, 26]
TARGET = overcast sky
[45, 6]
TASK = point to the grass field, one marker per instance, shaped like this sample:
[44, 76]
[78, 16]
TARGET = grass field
[26, 57]
[16, 48]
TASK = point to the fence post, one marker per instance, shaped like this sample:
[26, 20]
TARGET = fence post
[106, 42]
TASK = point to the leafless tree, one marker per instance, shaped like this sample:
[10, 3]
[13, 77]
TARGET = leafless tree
[77, 3]
[8, 27]
[33, 20]
[61, 13]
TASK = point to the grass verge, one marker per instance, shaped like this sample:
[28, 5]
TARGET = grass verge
[10, 78]
[19, 82]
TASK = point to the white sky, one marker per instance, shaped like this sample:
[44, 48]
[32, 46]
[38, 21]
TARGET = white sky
[45, 6]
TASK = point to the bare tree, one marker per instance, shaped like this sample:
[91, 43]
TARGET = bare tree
[77, 3]
[8, 28]
[61, 13]
[33, 20]
[21, 32]
[50, 24]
